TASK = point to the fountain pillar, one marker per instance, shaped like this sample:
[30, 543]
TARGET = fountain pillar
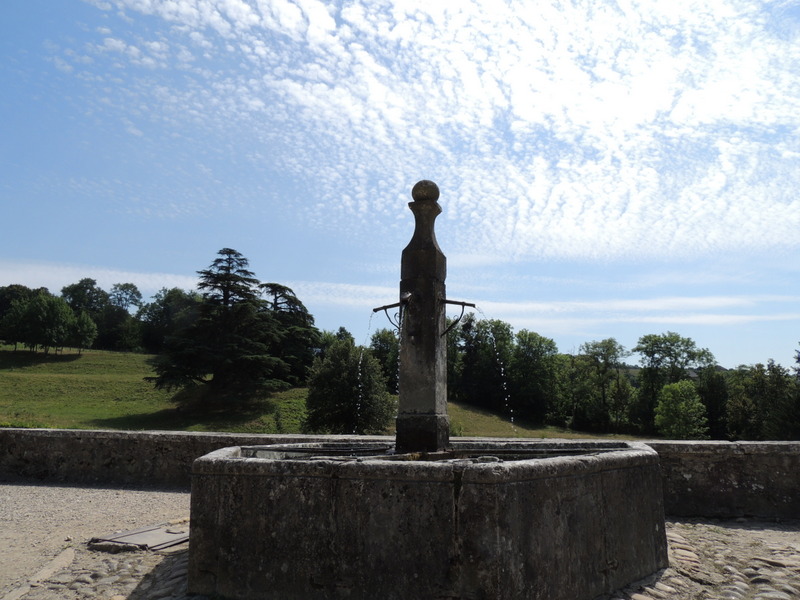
[422, 422]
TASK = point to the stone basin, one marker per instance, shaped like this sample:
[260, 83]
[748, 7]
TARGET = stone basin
[495, 520]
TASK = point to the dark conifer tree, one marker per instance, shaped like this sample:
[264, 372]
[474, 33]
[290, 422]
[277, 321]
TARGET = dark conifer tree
[240, 344]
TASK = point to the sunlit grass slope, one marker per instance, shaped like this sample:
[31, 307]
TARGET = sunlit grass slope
[108, 390]
[470, 421]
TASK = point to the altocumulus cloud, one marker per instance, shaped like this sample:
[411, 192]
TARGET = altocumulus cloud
[591, 129]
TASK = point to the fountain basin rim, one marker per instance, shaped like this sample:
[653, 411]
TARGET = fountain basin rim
[231, 460]
[490, 451]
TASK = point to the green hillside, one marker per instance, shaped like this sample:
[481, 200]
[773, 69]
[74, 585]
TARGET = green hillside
[107, 390]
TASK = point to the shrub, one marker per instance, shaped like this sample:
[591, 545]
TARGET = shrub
[680, 414]
[347, 392]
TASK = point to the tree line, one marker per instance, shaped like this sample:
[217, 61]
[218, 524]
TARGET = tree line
[235, 336]
[677, 390]
[86, 316]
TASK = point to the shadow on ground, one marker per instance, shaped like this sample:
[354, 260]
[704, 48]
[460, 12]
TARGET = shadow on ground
[252, 416]
[20, 359]
[169, 579]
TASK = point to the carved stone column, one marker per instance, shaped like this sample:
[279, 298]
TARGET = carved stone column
[422, 422]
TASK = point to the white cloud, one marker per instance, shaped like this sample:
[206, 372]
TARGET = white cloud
[55, 276]
[623, 305]
[363, 297]
[114, 45]
[594, 130]
[580, 317]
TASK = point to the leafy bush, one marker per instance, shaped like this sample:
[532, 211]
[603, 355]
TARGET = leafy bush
[347, 392]
[680, 414]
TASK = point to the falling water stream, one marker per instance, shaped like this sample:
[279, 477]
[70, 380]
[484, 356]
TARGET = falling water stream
[360, 395]
[507, 407]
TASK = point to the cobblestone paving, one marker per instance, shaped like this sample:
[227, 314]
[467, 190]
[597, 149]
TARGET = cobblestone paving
[99, 575]
[709, 560]
[725, 560]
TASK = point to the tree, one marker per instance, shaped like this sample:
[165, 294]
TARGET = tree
[15, 291]
[485, 348]
[125, 295]
[797, 364]
[666, 358]
[680, 414]
[281, 299]
[605, 357]
[672, 354]
[48, 322]
[622, 397]
[575, 392]
[781, 413]
[299, 337]
[13, 327]
[117, 330]
[385, 347]
[85, 296]
[347, 392]
[343, 335]
[171, 311]
[228, 281]
[533, 375]
[14, 301]
[84, 332]
[742, 414]
[235, 345]
[713, 390]
[763, 403]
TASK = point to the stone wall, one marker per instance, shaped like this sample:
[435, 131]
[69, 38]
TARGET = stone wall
[730, 479]
[713, 479]
[131, 458]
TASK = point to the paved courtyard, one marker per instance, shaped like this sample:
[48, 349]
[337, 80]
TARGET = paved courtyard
[44, 530]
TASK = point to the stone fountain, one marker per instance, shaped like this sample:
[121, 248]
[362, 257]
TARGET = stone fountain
[426, 517]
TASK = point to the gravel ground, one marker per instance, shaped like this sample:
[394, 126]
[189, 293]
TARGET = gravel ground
[38, 522]
[44, 555]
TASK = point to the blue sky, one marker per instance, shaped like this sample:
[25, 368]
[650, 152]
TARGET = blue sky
[607, 169]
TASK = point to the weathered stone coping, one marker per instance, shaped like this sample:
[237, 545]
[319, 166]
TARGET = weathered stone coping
[232, 461]
[711, 478]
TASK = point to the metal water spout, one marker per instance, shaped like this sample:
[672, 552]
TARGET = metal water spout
[422, 422]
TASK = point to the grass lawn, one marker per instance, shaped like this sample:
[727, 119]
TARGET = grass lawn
[107, 390]
[470, 421]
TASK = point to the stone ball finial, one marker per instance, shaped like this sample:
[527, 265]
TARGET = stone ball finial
[425, 191]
